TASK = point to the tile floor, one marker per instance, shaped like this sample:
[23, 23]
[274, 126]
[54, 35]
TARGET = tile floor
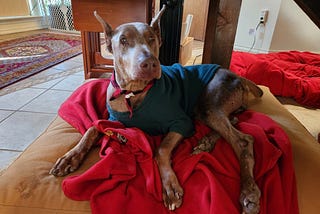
[25, 113]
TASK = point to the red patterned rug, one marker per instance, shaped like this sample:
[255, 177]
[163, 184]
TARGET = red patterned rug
[23, 57]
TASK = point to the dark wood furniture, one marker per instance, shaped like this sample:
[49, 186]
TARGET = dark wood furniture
[115, 12]
[311, 8]
[221, 29]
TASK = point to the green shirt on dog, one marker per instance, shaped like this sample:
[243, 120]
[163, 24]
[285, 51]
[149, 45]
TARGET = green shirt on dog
[169, 103]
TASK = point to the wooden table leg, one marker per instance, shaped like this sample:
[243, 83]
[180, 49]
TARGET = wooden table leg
[90, 45]
[220, 32]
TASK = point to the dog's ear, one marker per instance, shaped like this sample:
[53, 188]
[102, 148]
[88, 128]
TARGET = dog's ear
[108, 32]
[155, 23]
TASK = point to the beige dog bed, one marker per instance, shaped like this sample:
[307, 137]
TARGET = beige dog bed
[27, 187]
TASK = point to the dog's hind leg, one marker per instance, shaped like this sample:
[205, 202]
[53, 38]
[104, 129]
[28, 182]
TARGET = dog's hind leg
[224, 95]
[242, 144]
[207, 143]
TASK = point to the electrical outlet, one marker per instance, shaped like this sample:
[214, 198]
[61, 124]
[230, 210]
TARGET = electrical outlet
[263, 16]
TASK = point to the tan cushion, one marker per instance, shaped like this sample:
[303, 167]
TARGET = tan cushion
[306, 152]
[26, 186]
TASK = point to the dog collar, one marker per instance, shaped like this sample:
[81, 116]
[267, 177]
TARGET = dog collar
[127, 93]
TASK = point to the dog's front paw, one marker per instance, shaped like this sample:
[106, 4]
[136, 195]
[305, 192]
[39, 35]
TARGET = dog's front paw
[250, 197]
[70, 162]
[172, 192]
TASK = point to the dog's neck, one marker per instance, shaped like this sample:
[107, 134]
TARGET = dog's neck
[130, 85]
[131, 98]
[139, 86]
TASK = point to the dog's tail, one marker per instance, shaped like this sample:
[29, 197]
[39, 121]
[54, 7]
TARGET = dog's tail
[252, 87]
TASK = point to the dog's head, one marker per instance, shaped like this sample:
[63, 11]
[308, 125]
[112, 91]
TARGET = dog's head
[135, 48]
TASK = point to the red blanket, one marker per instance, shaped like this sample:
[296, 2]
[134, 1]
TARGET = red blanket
[288, 74]
[126, 179]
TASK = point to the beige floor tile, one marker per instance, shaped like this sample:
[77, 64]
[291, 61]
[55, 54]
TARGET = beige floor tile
[47, 72]
[70, 83]
[16, 100]
[4, 114]
[80, 73]
[7, 157]
[48, 84]
[41, 77]
[48, 102]
[69, 64]
[78, 58]
[21, 128]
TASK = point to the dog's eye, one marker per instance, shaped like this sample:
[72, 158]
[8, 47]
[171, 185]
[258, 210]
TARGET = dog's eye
[151, 39]
[124, 41]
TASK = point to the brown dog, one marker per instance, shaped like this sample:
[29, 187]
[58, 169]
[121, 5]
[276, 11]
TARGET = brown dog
[135, 47]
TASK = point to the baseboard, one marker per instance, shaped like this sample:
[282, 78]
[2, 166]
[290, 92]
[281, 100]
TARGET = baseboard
[248, 49]
[18, 24]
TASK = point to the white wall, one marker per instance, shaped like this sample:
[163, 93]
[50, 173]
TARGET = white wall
[14, 8]
[249, 18]
[287, 28]
[294, 30]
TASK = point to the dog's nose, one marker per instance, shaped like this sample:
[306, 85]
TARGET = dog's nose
[149, 64]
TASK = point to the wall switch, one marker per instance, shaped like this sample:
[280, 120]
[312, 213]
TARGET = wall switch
[264, 16]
